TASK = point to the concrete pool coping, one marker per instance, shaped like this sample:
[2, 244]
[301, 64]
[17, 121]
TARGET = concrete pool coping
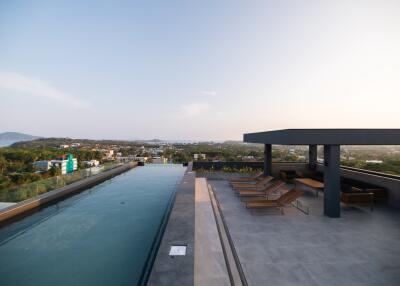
[18, 210]
[178, 270]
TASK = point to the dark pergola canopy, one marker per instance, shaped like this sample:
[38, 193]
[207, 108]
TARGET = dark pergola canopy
[326, 137]
[331, 139]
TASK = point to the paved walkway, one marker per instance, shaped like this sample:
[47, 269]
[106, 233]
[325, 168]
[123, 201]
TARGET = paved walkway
[209, 262]
[360, 248]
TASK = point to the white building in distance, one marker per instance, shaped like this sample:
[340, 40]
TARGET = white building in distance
[108, 154]
[91, 163]
[199, 156]
[374, 161]
[159, 160]
[66, 163]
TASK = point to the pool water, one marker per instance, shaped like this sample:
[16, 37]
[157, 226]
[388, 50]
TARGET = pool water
[103, 236]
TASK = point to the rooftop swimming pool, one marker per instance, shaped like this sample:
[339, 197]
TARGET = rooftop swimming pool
[106, 235]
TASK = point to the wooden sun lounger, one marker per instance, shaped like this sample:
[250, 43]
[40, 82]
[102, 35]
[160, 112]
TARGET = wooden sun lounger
[260, 185]
[253, 178]
[278, 203]
[274, 186]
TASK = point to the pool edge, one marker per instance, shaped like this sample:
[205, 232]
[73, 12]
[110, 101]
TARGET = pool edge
[180, 228]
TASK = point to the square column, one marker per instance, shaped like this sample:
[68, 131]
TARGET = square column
[267, 159]
[332, 180]
[312, 157]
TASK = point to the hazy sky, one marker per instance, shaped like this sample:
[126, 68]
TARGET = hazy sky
[197, 69]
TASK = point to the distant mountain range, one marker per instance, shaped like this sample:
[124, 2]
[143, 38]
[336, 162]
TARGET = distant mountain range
[8, 138]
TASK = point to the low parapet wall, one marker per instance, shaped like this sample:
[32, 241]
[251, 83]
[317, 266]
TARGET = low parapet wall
[389, 182]
[26, 207]
[276, 166]
[301, 168]
[218, 166]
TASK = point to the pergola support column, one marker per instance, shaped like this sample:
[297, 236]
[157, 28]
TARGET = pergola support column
[312, 157]
[332, 180]
[267, 159]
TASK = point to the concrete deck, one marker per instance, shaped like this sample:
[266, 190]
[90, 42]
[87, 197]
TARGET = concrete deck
[360, 248]
[209, 261]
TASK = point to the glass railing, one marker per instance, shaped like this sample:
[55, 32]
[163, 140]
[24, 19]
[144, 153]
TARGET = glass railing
[31, 190]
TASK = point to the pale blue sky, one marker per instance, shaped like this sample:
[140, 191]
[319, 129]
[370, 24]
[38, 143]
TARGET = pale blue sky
[197, 69]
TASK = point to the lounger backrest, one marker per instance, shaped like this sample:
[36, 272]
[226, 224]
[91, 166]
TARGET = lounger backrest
[286, 195]
[264, 181]
[275, 185]
[295, 196]
[257, 175]
[289, 196]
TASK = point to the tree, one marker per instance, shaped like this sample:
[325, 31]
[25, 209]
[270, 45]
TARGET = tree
[3, 164]
[55, 171]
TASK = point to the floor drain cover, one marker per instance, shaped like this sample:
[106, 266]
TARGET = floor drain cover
[177, 250]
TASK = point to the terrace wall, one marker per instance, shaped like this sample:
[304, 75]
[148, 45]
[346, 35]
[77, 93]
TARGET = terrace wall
[218, 166]
[391, 183]
[276, 166]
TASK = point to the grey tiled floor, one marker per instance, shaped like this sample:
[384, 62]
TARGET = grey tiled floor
[360, 248]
